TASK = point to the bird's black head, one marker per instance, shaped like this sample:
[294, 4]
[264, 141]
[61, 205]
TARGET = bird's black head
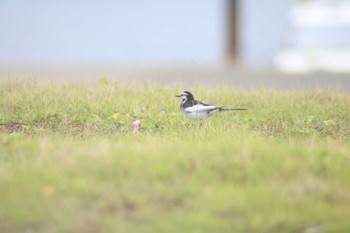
[186, 95]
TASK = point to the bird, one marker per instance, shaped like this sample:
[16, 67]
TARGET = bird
[195, 109]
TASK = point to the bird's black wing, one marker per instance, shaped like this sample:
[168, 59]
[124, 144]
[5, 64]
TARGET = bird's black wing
[204, 103]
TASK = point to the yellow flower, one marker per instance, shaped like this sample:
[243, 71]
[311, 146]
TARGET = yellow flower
[115, 116]
[172, 121]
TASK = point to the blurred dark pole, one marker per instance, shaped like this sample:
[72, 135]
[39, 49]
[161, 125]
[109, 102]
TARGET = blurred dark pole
[232, 31]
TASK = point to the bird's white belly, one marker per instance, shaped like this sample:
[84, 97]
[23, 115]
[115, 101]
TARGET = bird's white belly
[197, 115]
[200, 111]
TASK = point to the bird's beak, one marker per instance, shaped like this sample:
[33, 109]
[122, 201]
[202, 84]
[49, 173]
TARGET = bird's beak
[178, 96]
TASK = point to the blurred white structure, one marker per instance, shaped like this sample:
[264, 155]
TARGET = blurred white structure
[319, 38]
[261, 31]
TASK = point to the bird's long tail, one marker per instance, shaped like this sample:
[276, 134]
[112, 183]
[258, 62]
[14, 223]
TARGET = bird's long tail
[232, 109]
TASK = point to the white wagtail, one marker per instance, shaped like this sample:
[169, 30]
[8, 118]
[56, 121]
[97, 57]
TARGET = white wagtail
[199, 110]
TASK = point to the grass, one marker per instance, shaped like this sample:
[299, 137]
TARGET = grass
[70, 161]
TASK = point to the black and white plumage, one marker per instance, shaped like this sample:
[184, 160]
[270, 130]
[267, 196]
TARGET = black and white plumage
[200, 110]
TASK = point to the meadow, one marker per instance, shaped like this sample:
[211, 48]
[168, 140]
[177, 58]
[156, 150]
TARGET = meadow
[70, 160]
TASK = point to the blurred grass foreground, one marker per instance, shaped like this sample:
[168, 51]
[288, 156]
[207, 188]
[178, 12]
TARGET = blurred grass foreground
[70, 160]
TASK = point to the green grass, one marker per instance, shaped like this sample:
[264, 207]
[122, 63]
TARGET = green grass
[70, 162]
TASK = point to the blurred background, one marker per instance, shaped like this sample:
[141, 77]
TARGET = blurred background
[243, 42]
